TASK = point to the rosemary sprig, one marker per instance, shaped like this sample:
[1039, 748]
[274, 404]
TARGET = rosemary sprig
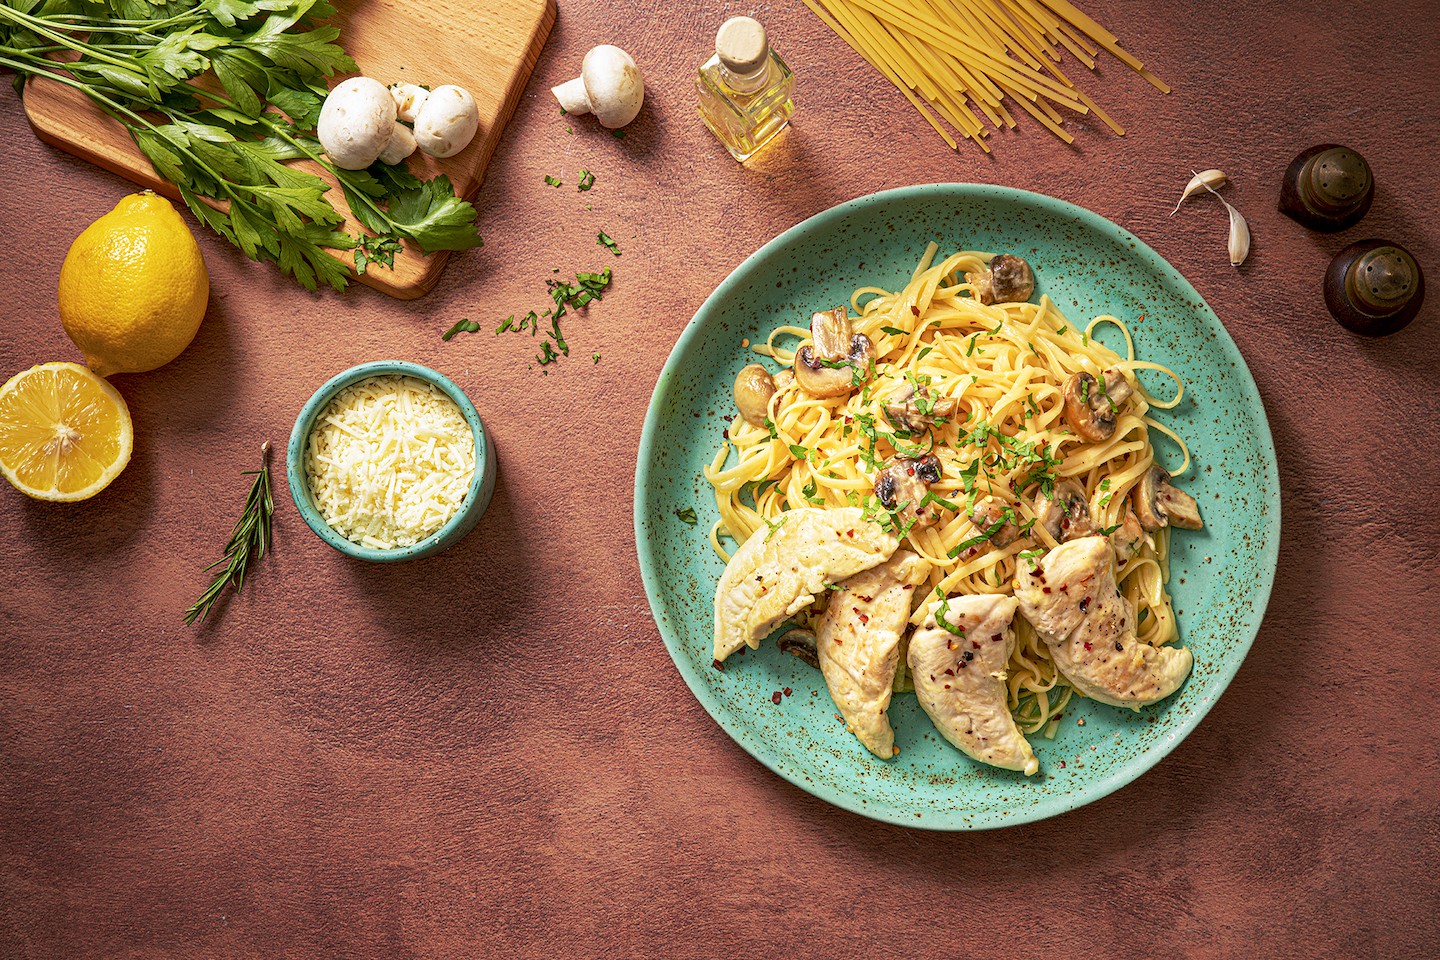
[247, 543]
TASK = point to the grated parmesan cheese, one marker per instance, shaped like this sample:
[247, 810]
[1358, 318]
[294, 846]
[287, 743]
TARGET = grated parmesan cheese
[389, 461]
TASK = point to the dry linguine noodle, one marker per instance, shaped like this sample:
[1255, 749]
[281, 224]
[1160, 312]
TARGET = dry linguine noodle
[1006, 365]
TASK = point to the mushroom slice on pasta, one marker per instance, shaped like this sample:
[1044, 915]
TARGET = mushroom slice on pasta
[959, 676]
[858, 644]
[779, 570]
[1072, 601]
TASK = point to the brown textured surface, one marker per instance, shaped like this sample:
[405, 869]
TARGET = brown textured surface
[489, 753]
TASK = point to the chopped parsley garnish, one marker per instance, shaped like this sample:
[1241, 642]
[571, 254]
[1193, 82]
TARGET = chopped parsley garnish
[605, 240]
[687, 515]
[553, 181]
[811, 494]
[379, 250]
[618, 134]
[1061, 331]
[942, 615]
[587, 180]
[984, 535]
[595, 357]
[1106, 531]
[461, 326]
[895, 331]
[770, 425]
[932, 497]
[1030, 556]
[921, 355]
[773, 527]
[799, 452]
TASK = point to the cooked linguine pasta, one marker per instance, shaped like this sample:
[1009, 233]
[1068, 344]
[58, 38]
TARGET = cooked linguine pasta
[1005, 366]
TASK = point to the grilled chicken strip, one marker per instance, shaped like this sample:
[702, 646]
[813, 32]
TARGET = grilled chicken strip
[778, 572]
[960, 679]
[1071, 600]
[858, 644]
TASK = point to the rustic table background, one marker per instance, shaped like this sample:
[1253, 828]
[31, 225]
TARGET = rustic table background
[489, 753]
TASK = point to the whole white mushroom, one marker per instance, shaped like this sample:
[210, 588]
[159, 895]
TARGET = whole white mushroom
[609, 86]
[447, 122]
[356, 122]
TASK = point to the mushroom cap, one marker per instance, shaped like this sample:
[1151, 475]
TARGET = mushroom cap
[753, 389]
[1011, 280]
[409, 99]
[1146, 496]
[1066, 511]
[799, 642]
[987, 513]
[447, 122]
[613, 84]
[1087, 410]
[356, 122]
[832, 343]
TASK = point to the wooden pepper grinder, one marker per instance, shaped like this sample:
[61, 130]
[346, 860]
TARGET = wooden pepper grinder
[1328, 187]
[1374, 287]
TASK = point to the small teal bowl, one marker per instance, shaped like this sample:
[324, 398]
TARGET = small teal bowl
[477, 498]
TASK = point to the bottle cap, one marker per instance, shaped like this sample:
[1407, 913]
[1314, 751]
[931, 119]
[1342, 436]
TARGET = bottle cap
[742, 45]
[1382, 281]
[1338, 180]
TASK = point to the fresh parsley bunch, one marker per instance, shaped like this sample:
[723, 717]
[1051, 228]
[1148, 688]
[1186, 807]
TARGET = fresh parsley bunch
[233, 145]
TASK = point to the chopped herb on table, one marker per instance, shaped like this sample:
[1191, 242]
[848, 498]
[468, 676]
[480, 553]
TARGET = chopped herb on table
[553, 181]
[606, 241]
[687, 515]
[233, 145]
[247, 544]
[587, 180]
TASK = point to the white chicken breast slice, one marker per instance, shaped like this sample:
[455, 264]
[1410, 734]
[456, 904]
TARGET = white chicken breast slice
[778, 571]
[857, 642]
[960, 679]
[1072, 601]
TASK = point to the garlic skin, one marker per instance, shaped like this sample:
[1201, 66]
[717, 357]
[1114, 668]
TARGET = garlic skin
[1239, 232]
[409, 100]
[1205, 179]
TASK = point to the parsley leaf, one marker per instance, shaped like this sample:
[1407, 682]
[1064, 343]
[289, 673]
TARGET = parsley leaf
[587, 180]
[553, 181]
[607, 242]
[687, 515]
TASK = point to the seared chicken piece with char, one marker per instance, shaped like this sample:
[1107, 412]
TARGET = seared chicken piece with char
[858, 644]
[1072, 601]
[778, 571]
[960, 679]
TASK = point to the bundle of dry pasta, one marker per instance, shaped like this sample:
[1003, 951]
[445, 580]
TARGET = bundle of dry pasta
[963, 56]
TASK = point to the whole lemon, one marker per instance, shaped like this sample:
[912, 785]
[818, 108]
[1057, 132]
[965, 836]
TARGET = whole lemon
[133, 287]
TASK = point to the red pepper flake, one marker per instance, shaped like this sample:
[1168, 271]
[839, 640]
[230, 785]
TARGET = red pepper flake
[996, 638]
[775, 698]
[725, 433]
[910, 471]
[1062, 764]
[850, 534]
[1087, 645]
[974, 645]
[916, 310]
[950, 672]
[1044, 589]
[864, 618]
[787, 691]
[718, 665]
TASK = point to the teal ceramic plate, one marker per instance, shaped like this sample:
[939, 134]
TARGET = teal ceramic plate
[1220, 577]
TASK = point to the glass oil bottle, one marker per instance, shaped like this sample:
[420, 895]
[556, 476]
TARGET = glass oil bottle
[744, 88]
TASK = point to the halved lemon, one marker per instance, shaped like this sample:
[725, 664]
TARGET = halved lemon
[64, 432]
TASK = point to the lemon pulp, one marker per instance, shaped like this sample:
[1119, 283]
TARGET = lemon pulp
[64, 432]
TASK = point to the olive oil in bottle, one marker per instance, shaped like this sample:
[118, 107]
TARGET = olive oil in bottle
[745, 88]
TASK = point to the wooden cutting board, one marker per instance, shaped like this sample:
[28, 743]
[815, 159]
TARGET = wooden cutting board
[488, 47]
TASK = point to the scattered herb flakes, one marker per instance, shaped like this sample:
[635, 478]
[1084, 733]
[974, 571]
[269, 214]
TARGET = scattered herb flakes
[608, 242]
[687, 515]
[461, 326]
[895, 331]
[618, 134]
[595, 357]
[379, 250]
[587, 180]
[553, 181]
[547, 354]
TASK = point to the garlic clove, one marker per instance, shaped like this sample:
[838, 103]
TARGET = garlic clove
[1205, 179]
[1239, 232]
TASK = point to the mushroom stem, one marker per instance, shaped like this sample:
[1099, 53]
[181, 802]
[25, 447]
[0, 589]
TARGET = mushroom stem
[572, 96]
